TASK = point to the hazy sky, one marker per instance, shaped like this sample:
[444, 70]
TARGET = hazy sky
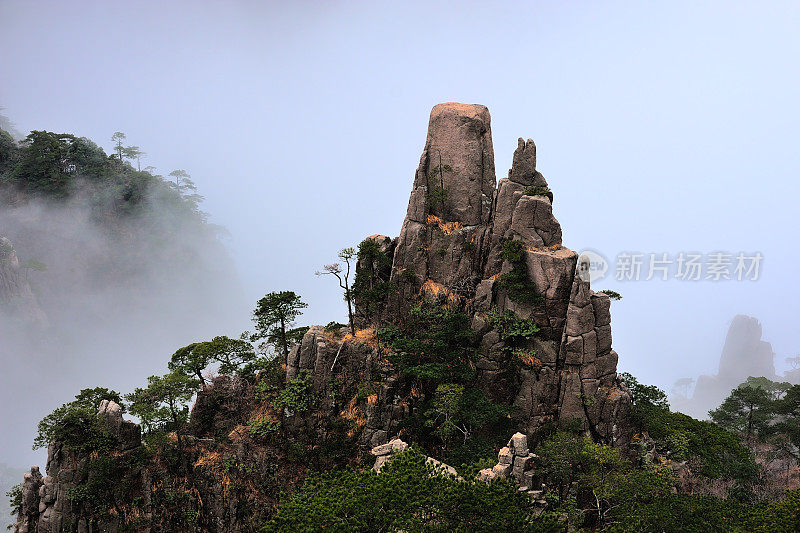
[661, 127]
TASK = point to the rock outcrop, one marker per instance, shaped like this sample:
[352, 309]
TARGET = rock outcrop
[383, 455]
[27, 519]
[16, 297]
[452, 240]
[333, 359]
[48, 504]
[514, 461]
[450, 210]
[745, 353]
[492, 251]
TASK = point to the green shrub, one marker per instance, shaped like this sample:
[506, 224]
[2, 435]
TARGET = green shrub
[456, 412]
[297, 396]
[14, 496]
[776, 517]
[76, 424]
[334, 327]
[593, 477]
[262, 427]
[295, 335]
[682, 513]
[537, 190]
[678, 444]
[435, 349]
[436, 194]
[408, 495]
[715, 452]
[436, 344]
[512, 329]
[614, 295]
[516, 283]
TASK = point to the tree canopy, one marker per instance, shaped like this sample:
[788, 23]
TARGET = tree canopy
[163, 404]
[274, 313]
[76, 423]
[229, 354]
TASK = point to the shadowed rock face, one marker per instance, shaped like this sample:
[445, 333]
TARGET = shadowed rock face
[15, 292]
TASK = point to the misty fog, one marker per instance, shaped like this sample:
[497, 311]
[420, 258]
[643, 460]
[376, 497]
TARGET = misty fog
[117, 303]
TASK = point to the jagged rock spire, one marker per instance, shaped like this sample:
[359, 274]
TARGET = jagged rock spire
[523, 169]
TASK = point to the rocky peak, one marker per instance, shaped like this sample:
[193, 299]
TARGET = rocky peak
[745, 353]
[458, 157]
[523, 169]
[127, 433]
[454, 241]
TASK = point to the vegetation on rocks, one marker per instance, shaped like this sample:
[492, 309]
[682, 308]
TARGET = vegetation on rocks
[516, 283]
[274, 315]
[76, 424]
[537, 190]
[371, 286]
[454, 362]
[57, 166]
[711, 451]
[614, 295]
[436, 192]
[408, 495]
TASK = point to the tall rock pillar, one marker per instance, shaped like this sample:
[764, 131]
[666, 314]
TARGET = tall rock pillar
[450, 208]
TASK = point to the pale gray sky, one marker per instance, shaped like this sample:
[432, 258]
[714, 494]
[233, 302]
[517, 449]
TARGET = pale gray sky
[661, 127]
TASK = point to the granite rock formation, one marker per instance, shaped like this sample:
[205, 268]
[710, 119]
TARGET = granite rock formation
[451, 243]
[383, 455]
[452, 240]
[47, 502]
[244, 444]
[514, 460]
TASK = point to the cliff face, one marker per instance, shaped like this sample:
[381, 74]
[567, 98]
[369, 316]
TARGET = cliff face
[16, 297]
[452, 243]
[51, 504]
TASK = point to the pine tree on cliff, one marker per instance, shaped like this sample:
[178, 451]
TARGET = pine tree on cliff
[274, 313]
